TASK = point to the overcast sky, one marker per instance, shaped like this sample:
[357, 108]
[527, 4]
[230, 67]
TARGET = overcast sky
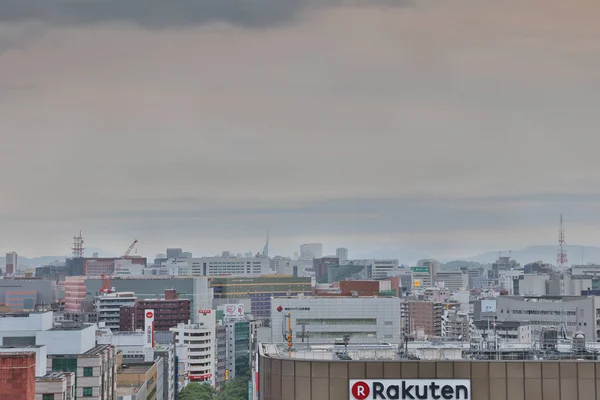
[442, 127]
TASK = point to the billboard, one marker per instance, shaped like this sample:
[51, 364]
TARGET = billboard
[149, 328]
[419, 270]
[488, 306]
[233, 312]
[448, 389]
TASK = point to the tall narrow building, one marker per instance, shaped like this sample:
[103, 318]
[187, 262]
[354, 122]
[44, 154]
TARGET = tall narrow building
[12, 263]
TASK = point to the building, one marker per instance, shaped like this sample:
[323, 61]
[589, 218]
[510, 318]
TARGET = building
[237, 337]
[260, 290]
[12, 263]
[530, 285]
[452, 280]
[421, 278]
[108, 306]
[508, 331]
[221, 356]
[55, 385]
[95, 371]
[195, 289]
[174, 253]
[53, 272]
[423, 318]
[168, 312]
[96, 267]
[321, 266]
[144, 380]
[309, 251]
[17, 376]
[216, 266]
[306, 376]
[566, 285]
[281, 265]
[46, 291]
[74, 293]
[21, 300]
[456, 325]
[571, 313]
[502, 264]
[342, 255]
[365, 319]
[196, 348]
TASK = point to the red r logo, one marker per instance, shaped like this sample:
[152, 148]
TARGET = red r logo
[360, 390]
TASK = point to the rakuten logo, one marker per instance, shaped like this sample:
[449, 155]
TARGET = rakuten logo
[413, 389]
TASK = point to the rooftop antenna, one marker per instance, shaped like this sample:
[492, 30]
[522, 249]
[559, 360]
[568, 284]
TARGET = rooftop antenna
[561, 256]
[78, 246]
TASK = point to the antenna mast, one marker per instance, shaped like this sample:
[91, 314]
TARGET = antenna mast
[561, 256]
[78, 246]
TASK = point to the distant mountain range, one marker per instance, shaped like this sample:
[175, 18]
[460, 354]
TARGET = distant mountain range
[546, 253]
[45, 260]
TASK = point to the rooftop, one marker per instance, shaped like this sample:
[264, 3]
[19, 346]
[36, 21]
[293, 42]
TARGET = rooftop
[99, 349]
[137, 368]
[54, 376]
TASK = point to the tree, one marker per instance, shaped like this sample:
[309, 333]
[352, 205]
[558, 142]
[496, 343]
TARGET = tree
[197, 391]
[236, 389]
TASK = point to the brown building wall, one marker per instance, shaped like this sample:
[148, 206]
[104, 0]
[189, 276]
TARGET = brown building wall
[363, 288]
[167, 314]
[282, 379]
[17, 376]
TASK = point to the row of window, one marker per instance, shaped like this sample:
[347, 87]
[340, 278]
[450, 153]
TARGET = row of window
[538, 312]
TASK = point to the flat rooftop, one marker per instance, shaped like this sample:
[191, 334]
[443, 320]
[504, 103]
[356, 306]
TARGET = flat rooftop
[126, 390]
[54, 376]
[99, 349]
[137, 368]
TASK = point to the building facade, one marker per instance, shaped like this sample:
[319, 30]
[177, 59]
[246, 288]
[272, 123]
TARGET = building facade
[17, 376]
[12, 263]
[309, 251]
[365, 319]
[168, 313]
[260, 290]
[108, 307]
[74, 293]
[423, 318]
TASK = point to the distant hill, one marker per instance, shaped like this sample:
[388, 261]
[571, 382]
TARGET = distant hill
[458, 263]
[545, 253]
[45, 260]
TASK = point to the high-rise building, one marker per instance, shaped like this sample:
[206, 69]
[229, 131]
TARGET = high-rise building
[423, 318]
[342, 255]
[74, 293]
[12, 263]
[238, 348]
[311, 250]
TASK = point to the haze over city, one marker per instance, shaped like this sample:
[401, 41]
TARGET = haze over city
[444, 128]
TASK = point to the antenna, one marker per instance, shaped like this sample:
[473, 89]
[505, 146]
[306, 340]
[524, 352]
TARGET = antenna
[561, 256]
[78, 246]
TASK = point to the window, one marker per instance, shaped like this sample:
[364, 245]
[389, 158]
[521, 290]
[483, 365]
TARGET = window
[87, 392]
[48, 396]
[88, 371]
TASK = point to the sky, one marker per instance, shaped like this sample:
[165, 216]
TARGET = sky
[443, 128]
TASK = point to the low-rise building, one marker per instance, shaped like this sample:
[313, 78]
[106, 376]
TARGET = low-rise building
[108, 307]
[56, 386]
[17, 376]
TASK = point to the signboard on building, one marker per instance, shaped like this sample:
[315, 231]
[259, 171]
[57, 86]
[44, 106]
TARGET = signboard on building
[234, 312]
[419, 270]
[149, 328]
[384, 389]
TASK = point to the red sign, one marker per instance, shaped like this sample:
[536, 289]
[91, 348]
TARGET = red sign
[149, 314]
[204, 312]
[200, 377]
[361, 390]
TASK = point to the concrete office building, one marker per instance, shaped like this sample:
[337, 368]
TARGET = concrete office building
[215, 266]
[168, 312]
[365, 319]
[309, 251]
[108, 307]
[195, 289]
[568, 286]
[309, 378]
[342, 254]
[575, 313]
[379, 268]
[237, 336]
[530, 285]
[174, 253]
[453, 280]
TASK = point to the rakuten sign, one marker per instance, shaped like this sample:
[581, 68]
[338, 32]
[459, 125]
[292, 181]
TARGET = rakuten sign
[411, 389]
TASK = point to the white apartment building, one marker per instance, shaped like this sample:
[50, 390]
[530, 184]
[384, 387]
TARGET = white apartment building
[365, 319]
[196, 348]
[108, 307]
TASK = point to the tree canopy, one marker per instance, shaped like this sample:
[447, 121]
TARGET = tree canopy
[197, 391]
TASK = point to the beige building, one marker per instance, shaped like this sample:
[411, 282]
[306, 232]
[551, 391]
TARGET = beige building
[57, 385]
[138, 379]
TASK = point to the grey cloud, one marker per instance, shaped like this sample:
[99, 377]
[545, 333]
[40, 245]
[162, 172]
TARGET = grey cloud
[165, 14]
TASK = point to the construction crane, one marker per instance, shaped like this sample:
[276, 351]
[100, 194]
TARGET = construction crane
[106, 281]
